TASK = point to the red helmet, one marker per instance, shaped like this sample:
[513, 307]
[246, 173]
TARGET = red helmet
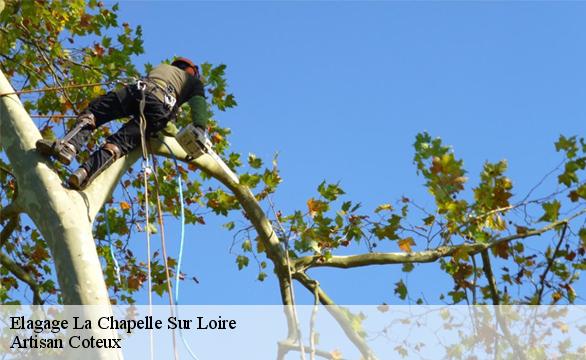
[187, 65]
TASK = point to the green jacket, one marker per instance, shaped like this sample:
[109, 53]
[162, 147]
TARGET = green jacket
[186, 88]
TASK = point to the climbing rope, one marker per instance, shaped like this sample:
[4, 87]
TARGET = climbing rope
[56, 88]
[146, 171]
[181, 245]
[164, 248]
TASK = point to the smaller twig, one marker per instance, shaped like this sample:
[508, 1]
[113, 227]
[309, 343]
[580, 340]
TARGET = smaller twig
[550, 263]
[23, 276]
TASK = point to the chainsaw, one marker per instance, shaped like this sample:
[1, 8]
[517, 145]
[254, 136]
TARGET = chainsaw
[195, 142]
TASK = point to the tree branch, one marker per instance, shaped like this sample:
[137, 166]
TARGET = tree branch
[351, 261]
[487, 267]
[337, 313]
[10, 210]
[549, 264]
[8, 229]
[23, 276]
[286, 346]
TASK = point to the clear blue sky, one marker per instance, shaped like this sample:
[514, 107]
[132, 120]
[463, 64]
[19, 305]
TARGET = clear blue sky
[340, 89]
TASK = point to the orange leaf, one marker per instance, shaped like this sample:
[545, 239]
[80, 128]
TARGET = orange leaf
[406, 244]
[501, 250]
[124, 205]
[316, 206]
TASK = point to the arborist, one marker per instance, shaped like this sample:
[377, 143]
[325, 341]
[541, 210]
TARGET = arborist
[157, 98]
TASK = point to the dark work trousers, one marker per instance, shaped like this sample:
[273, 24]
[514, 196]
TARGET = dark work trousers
[119, 104]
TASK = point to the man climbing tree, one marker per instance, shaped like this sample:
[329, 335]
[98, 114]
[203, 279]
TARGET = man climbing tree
[156, 99]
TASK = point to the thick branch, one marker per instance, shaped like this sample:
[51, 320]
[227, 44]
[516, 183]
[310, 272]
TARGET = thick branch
[427, 256]
[10, 211]
[286, 346]
[8, 229]
[245, 197]
[337, 313]
[23, 276]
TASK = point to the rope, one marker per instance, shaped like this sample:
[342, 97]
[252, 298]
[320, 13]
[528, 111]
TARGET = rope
[146, 170]
[55, 88]
[164, 249]
[181, 245]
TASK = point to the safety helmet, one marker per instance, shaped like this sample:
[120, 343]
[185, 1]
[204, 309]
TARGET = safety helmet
[187, 65]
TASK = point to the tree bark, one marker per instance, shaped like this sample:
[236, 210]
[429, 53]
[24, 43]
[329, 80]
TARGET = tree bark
[56, 213]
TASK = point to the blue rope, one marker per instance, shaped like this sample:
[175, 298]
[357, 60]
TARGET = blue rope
[112, 255]
[181, 243]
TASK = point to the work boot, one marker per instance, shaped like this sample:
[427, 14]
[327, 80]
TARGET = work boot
[66, 149]
[63, 151]
[77, 180]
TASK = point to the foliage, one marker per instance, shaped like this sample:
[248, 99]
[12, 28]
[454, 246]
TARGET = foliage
[63, 43]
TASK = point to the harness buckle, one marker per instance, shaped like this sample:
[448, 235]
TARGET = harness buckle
[141, 85]
[170, 101]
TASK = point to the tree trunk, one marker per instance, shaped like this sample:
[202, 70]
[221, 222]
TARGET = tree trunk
[62, 216]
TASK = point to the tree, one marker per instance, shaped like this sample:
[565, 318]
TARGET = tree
[67, 44]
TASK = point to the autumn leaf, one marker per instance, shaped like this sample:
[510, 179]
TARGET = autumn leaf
[521, 230]
[406, 244]
[133, 283]
[124, 205]
[316, 206]
[383, 207]
[336, 355]
[501, 250]
[461, 253]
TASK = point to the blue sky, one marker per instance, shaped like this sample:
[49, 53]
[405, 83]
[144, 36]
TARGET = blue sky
[340, 89]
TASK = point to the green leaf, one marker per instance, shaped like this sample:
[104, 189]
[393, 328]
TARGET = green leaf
[262, 276]
[229, 225]
[551, 211]
[383, 207]
[346, 206]
[254, 161]
[407, 267]
[330, 191]
[247, 245]
[401, 290]
[151, 228]
[242, 261]
[582, 234]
